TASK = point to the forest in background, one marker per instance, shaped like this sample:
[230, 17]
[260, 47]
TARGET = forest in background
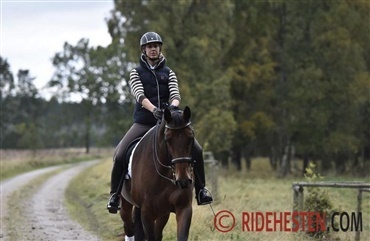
[280, 79]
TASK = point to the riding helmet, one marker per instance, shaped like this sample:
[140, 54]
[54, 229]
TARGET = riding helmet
[150, 37]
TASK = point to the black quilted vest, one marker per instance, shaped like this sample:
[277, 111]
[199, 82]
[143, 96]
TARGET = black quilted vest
[149, 78]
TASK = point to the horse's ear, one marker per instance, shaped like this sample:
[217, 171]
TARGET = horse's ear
[167, 115]
[187, 113]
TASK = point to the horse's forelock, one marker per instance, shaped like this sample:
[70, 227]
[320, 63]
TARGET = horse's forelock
[177, 119]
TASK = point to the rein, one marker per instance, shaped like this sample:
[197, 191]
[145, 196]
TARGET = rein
[156, 158]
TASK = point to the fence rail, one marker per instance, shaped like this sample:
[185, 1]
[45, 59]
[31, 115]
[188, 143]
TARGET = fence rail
[298, 196]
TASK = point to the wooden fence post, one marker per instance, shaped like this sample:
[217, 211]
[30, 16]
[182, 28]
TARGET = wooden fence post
[359, 208]
[298, 195]
[297, 201]
[213, 173]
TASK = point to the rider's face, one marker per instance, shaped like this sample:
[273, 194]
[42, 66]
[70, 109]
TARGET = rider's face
[152, 50]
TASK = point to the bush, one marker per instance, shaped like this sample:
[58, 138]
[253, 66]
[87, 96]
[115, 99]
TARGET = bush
[317, 202]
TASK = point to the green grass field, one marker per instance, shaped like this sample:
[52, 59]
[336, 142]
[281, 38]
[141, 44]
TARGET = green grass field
[255, 191]
[13, 162]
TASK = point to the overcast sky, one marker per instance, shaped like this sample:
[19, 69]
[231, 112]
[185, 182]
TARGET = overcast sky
[33, 31]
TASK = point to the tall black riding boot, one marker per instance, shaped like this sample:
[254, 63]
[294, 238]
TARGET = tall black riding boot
[116, 176]
[202, 195]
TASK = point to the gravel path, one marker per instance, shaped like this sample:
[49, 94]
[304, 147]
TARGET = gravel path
[45, 218]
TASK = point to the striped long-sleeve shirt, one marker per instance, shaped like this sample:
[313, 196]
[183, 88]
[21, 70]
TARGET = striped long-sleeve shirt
[137, 87]
[143, 83]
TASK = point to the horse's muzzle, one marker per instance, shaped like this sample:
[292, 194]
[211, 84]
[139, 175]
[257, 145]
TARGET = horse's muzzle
[183, 180]
[183, 183]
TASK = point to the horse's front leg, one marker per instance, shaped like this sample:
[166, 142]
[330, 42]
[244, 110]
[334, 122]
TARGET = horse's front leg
[160, 223]
[148, 222]
[126, 216]
[183, 218]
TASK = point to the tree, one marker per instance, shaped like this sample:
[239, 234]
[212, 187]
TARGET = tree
[91, 74]
[7, 79]
[334, 30]
[318, 108]
[6, 87]
[21, 110]
[252, 67]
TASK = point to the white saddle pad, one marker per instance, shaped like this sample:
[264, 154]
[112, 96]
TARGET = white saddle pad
[129, 173]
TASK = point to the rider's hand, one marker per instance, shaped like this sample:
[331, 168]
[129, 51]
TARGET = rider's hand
[158, 113]
[172, 107]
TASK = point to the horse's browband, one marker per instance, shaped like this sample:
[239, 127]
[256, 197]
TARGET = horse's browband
[178, 128]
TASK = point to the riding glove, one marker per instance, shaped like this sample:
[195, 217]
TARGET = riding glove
[158, 113]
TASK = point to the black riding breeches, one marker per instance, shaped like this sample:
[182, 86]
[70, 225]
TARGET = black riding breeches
[118, 169]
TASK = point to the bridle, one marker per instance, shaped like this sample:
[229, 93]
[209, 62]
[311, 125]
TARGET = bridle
[180, 159]
[173, 160]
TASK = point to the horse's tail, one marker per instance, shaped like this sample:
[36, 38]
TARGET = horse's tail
[139, 231]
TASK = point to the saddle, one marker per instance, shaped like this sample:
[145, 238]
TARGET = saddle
[127, 155]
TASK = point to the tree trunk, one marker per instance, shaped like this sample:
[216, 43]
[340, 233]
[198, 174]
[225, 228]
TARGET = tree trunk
[87, 141]
[87, 135]
[286, 160]
[325, 165]
[273, 158]
[305, 164]
[236, 158]
[248, 163]
[223, 157]
[340, 161]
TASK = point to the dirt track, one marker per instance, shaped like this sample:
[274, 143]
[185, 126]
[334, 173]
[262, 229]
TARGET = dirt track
[45, 218]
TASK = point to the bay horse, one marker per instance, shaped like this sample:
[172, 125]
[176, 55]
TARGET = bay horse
[162, 180]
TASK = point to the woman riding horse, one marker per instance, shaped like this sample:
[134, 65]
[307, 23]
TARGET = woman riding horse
[161, 170]
[152, 84]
